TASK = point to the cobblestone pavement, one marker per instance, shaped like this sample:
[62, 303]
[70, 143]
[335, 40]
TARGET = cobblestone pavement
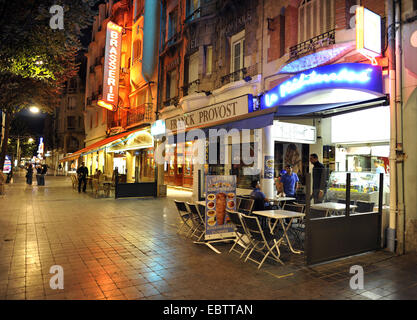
[129, 249]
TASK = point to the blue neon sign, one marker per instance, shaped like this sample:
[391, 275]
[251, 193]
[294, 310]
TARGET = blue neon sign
[357, 76]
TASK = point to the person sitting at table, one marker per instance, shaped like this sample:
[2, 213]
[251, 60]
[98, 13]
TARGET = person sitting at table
[261, 202]
[288, 182]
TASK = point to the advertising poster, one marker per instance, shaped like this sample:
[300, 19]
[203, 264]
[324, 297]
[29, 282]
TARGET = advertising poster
[269, 167]
[220, 194]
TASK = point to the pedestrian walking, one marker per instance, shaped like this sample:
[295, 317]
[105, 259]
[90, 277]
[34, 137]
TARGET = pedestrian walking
[82, 173]
[43, 173]
[319, 179]
[29, 174]
[39, 175]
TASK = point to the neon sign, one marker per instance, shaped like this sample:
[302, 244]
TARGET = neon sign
[111, 67]
[344, 75]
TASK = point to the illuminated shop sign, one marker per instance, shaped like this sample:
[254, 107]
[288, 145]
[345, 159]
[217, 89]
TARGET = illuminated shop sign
[217, 112]
[158, 128]
[111, 67]
[355, 76]
[368, 32]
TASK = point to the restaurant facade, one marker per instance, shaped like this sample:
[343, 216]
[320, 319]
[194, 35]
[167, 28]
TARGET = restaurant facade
[120, 96]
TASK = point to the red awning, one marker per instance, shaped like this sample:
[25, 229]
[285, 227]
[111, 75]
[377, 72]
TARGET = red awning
[97, 145]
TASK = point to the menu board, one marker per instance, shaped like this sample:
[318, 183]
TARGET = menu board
[220, 194]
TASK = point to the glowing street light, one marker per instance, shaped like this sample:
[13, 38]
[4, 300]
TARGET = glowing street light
[34, 109]
[30, 140]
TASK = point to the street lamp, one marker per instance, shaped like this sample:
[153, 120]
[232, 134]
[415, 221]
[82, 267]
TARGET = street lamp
[34, 109]
[30, 140]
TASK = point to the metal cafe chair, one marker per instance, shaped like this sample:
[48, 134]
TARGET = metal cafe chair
[184, 216]
[262, 241]
[297, 230]
[197, 221]
[246, 206]
[239, 232]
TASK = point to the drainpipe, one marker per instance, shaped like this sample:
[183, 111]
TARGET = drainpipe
[393, 129]
[399, 135]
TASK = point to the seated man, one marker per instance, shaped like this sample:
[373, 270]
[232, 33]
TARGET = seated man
[261, 202]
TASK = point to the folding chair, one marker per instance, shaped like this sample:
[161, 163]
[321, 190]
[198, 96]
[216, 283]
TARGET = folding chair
[262, 241]
[197, 220]
[239, 231]
[297, 229]
[245, 206]
[184, 216]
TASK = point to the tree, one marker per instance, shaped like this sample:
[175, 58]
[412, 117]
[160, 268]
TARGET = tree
[35, 60]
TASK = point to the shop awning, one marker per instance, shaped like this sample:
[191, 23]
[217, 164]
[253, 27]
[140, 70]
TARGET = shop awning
[327, 110]
[98, 145]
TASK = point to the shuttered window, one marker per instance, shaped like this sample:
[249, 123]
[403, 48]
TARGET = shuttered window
[314, 18]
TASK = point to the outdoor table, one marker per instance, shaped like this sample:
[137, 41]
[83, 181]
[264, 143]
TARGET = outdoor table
[279, 200]
[281, 215]
[331, 207]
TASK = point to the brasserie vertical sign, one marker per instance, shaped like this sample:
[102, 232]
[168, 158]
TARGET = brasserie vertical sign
[111, 67]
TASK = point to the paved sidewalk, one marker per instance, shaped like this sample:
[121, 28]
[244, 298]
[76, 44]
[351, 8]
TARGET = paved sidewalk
[129, 249]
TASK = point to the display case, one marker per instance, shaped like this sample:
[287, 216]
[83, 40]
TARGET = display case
[364, 186]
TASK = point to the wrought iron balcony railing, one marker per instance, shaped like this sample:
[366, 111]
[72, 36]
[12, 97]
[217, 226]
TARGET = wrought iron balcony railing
[234, 76]
[190, 87]
[141, 114]
[311, 45]
[172, 101]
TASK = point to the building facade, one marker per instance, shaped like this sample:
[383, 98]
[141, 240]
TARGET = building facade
[119, 137]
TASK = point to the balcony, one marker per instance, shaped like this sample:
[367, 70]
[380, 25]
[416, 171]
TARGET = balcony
[234, 76]
[141, 114]
[171, 42]
[172, 101]
[189, 88]
[311, 45]
[209, 8]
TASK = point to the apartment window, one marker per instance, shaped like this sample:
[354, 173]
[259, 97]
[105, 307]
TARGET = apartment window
[191, 74]
[91, 121]
[172, 24]
[138, 9]
[137, 50]
[71, 122]
[314, 17]
[237, 54]
[171, 86]
[192, 6]
[208, 60]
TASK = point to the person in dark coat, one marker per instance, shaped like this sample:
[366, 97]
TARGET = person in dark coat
[319, 179]
[43, 173]
[29, 174]
[39, 175]
[82, 173]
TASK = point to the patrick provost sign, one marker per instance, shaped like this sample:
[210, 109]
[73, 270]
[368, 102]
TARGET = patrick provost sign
[111, 67]
[208, 115]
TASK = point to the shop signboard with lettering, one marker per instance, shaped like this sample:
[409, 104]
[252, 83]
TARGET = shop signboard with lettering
[110, 96]
[220, 195]
[226, 110]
